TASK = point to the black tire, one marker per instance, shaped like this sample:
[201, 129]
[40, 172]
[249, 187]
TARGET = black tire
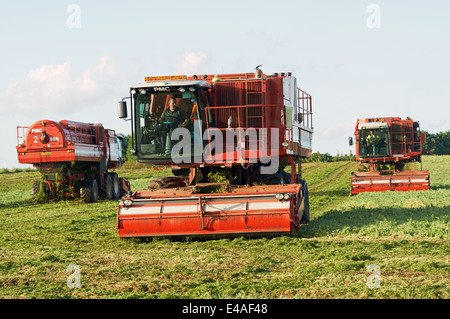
[35, 188]
[89, 191]
[116, 187]
[108, 188]
[305, 195]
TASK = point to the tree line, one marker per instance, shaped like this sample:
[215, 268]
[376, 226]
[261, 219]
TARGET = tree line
[436, 143]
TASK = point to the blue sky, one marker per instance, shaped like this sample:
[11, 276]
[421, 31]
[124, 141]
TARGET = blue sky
[50, 70]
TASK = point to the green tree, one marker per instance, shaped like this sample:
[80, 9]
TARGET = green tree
[436, 144]
[126, 146]
[443, 143]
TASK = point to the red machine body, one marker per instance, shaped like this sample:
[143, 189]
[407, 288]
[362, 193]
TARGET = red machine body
[383, 142]
[48, 141]
[269, 102]
[252, 202]
[68, 152]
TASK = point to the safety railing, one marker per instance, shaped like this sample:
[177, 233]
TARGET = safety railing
[21, 132]
[81, 133]
[304, 104]
[243, 114]
[403, 141]
[253, 136]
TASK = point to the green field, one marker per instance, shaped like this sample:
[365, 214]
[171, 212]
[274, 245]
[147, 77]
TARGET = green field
[404, 235]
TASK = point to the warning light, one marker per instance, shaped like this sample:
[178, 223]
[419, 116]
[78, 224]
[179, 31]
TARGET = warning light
[162, 78]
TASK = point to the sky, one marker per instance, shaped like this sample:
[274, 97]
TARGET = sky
[74, 60]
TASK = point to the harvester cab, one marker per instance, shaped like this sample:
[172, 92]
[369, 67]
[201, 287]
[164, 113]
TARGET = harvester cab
[160, 106]
[374, 140]
[384, 148]
[246, 127]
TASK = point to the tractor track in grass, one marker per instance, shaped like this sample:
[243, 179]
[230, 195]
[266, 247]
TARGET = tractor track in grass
[329, 185]
[337, 174]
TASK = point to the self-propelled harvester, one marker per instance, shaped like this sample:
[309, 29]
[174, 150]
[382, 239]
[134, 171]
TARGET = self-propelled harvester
[246, 128]
[384, 147]
[73, 158]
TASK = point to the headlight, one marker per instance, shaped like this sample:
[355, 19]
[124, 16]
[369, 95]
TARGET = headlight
[285, 144]
[287, 196]
[279, 196]
[127, 202]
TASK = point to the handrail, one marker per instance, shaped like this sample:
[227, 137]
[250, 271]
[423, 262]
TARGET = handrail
[304, 104]
[81, 133]
[21, 132]
[242, 106]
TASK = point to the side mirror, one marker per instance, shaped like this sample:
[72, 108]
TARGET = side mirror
[122, 109]
[350, 141]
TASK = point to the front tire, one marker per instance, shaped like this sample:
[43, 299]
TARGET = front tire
[35, 188]
[89, 191]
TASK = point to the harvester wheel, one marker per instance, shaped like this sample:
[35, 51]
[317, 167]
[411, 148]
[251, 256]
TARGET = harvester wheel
[116, 187]
[89, 191]
[305, 195]
[35, 190]
[108, 186]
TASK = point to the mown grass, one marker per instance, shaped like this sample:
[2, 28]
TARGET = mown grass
[405, 234]
[328, 184]
[382, 215]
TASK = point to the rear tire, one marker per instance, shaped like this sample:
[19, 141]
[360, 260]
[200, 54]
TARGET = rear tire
[116, 187]
[109, 194]
[89, 191]
[305, 195]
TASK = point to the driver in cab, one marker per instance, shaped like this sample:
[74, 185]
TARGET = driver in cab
[175, 115]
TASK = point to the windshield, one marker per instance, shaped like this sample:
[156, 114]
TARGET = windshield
[157, 115]
[374, 142]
